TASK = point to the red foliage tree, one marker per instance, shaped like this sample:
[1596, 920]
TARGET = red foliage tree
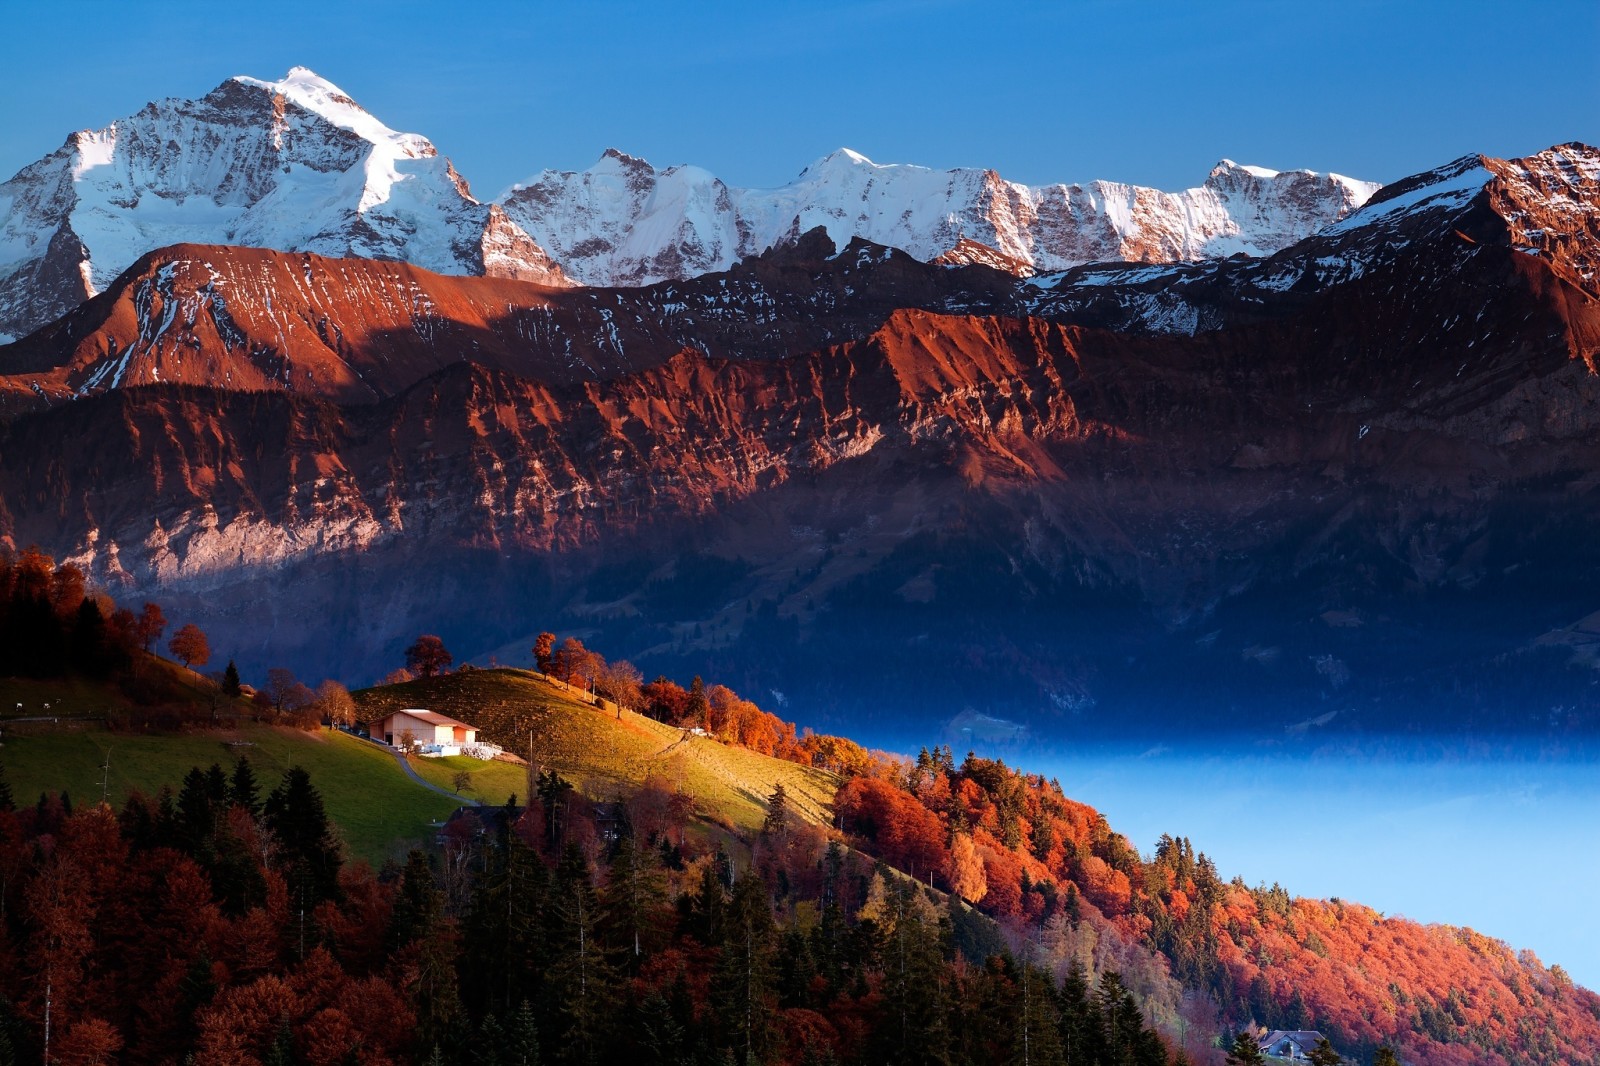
[428, 657]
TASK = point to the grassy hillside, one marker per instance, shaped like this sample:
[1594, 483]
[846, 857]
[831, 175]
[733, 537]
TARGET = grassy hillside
[380, 812]
[160, 680]
[599, 753]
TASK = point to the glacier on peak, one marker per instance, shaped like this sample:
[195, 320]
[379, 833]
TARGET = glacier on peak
[624, 222]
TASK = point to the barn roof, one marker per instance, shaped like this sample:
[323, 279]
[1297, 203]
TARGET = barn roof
[1303, 1037]
[430, 717]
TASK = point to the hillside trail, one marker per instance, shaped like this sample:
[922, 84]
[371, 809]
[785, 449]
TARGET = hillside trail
[405, 764]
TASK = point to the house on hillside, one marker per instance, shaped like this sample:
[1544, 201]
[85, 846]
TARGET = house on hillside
[1289, 1045]
[432, 733]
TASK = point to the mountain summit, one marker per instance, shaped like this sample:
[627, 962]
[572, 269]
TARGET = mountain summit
[624, 222]
[293, 164]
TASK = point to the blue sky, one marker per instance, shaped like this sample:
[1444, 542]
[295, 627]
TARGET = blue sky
[1152, 92]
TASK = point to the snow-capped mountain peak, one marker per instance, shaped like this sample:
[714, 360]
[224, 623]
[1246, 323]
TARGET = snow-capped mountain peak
[623, 222]
[294, 164]
[304, 88]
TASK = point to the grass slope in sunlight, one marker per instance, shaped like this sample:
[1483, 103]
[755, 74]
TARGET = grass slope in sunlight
[602, 755]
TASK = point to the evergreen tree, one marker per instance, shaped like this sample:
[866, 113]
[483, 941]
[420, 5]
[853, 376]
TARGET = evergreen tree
[581, 980]
[195, 815]
[242, 789]
[1385, 1056]
[633, 894]
[1035, 1030]
[297, 819]
[217, 787]
[522, 1038]
[1082, 1031]
[7, 802]
[777, 812]
[668, 1033]
[916, 1005]
[418, 905]
[698, 712]
[231, 686]
[1323, 1054]
[797, 968]
[706, 908]
[1246, 1052]
[489, 1044]
[742, 985]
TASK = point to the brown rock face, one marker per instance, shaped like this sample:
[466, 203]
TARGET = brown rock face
[828, 461]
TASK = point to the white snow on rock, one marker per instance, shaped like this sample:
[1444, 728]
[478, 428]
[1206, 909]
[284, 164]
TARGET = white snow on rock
[624, 222]
[294, 165]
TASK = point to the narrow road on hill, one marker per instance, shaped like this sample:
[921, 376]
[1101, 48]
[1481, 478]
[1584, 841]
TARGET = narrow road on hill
[405, 764]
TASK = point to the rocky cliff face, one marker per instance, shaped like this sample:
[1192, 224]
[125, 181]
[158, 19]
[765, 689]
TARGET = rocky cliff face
[624, 222]
[1346, 476]
[293, 164]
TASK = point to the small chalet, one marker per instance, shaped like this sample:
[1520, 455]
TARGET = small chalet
[1289, 1045]
[433, 733]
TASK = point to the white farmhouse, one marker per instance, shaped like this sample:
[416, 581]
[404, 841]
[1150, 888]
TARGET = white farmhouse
[431, 732]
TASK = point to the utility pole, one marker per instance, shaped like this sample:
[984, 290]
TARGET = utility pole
[105, 777]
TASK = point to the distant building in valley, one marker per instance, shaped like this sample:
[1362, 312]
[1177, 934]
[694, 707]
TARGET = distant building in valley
[1289, 1045]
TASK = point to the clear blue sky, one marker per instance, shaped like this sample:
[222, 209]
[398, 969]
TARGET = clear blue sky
[1149, 92]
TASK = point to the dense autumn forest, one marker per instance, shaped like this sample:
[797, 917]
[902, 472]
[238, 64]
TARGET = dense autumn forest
[219, 922]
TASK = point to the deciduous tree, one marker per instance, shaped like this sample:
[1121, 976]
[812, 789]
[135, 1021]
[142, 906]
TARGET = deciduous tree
[428, 657]
[966, 869]
[189, 646]
[149, 626]
[543, 647]
[335, 704]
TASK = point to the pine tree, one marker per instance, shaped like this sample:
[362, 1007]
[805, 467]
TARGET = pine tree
[242, 789]
[1246, 1052]
[195, 816]
[7, 802]
[231, 686]
[522, 1038]
[297, 819]
[916, 1003]
[777, 812]
[418, 905]
[581, 978]
[1082, 1033]
[633, 893]
[1035, 1032]
[1385, 1056]
[489, 1044]
[1323, 1054]
[743, 982]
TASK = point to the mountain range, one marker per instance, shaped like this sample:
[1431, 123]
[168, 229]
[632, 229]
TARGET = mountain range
[297, 165]
[893, 445]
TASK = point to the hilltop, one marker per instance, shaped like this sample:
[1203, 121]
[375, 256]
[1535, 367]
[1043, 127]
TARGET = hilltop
[604, 752]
